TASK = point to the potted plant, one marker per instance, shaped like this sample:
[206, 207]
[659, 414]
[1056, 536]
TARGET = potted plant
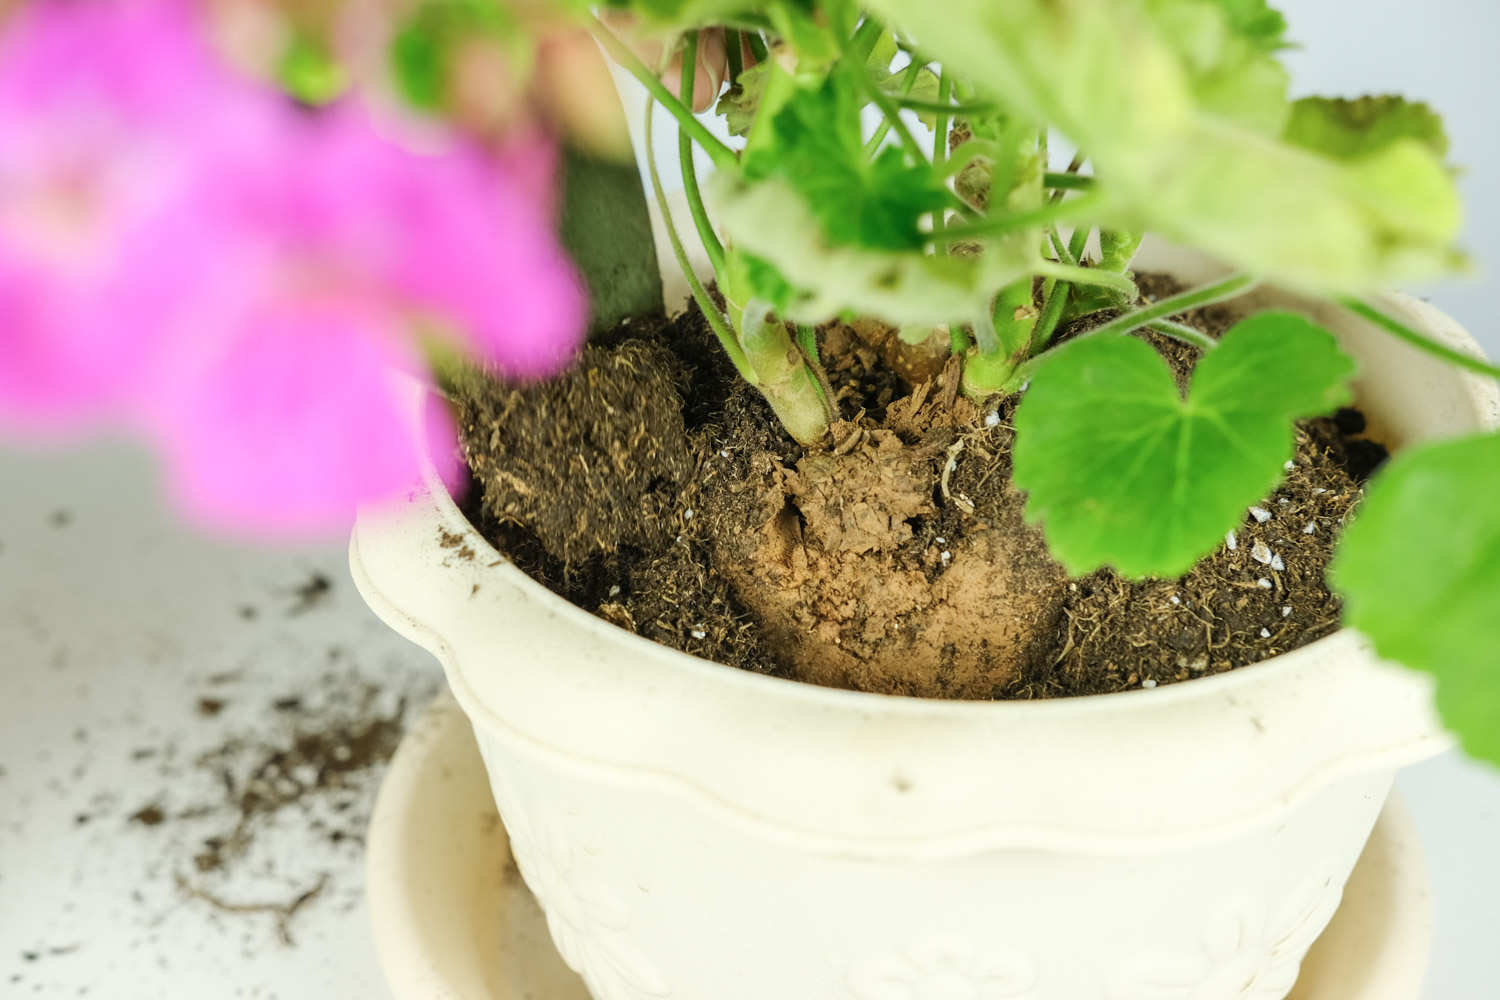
[676, 817]
[953, 470]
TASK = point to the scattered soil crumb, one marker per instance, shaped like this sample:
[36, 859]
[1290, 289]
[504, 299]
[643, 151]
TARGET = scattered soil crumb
[308, 761]
[653, 488]
[210, 707]
[282, 912]
[310, 594]
[150, 815]
[306, 767]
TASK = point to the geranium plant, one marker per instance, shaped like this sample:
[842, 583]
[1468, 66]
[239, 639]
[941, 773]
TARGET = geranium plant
[189, 251]
[1179, 111]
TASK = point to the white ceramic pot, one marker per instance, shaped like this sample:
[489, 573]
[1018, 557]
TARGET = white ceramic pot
[696, 832]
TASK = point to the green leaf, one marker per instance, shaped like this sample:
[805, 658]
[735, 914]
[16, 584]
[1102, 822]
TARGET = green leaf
[1181, 107]
[1124, 471]
[751, 277]
[419, 49]
[1419, 570]
[773, 221]
[924, 86]
[815, 146]
[1227, 48]
[1257, 22]
[741, 102]
[1350, 129]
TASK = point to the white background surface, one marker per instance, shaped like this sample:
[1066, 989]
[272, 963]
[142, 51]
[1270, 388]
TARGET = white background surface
[112, 625]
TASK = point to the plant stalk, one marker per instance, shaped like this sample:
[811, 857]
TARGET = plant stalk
[1401, 331]
[732, 46]
[786, 381]
[1203, 295]
[1218, 291]
[716, 320]
[908, 80]
[722, 155]
[706, 234]
[1003, 225]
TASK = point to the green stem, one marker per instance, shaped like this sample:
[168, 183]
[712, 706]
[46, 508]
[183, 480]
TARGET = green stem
[736, 54]
[757, 46]
[1401, 331]
[958, 341]
[940, 141]
[1087, 276]
[807, 341]
[786, 379]
[716, 320]
[1052, 310]
[1218, 291]
[943, 107]
[1117, 248]
[705, 228]
[1065, 252]
[722, 155]
[908, 80]
[865, 38]
[882, 100]
[1067, 182]
[1001, 225]
[1077, 242]
[1184, 333]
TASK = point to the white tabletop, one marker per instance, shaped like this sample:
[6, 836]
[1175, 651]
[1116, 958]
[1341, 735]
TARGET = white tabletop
[114, 623]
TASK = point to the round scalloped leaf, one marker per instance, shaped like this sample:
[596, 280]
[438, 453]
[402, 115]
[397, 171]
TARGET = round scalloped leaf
[1123, 470]
[1419, 571]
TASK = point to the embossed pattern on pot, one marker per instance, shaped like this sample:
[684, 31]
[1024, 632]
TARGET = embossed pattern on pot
[1247, 953]
[944, 967]
[588, 922]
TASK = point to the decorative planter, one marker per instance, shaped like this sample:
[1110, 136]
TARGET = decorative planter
[701, 833]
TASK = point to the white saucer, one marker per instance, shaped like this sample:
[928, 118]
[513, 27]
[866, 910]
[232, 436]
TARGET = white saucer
[454, 921]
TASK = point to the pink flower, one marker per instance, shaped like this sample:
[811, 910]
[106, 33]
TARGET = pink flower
[94, 99]
[244, 279]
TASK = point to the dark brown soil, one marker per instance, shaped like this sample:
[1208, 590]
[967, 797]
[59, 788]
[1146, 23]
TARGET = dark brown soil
[652, 488]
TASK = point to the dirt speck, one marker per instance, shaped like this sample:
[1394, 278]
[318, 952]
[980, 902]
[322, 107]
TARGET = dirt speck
[149, 815]
[310, 594]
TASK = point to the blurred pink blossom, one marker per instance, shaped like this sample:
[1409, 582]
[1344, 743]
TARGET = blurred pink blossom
[243, 279]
